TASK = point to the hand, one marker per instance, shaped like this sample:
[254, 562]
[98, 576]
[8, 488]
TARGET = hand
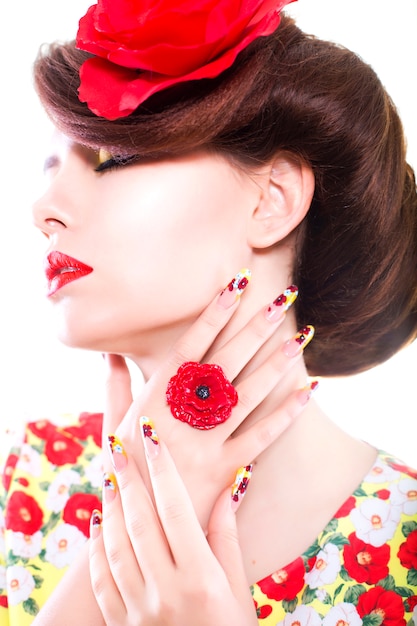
[223, 448]
[152, 565]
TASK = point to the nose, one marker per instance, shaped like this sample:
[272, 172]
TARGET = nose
[51, 211]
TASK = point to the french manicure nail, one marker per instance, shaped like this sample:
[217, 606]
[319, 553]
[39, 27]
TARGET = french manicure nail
[297, 344]
[118, 454]
[276, 310]
[306, 392]
[95, 523]
[109, 487]
[150, 438]
[243, 476]
[234, 289]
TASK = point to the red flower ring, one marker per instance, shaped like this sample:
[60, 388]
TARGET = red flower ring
[200, 395]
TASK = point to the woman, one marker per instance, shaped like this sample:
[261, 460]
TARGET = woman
[253, 146]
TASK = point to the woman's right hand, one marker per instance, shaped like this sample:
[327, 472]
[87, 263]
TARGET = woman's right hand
[221, 448]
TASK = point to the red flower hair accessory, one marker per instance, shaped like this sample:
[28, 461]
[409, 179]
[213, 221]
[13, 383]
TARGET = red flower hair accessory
[201, 395]
[144, 47]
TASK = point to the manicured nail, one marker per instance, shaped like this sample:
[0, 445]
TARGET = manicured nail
[306, 392]
[296, 345]
[150, 438]
[109, 487]
[276, 310]
[118, 454]
[243, 476]
[95, 523]
[234, 289]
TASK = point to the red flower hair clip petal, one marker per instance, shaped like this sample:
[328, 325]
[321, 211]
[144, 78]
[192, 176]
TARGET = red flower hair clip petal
[142, 48]
[200, 395]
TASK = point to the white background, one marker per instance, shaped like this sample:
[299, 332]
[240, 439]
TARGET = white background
[41, 378]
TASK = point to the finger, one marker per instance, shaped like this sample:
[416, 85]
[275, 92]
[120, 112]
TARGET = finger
[118, 393]
[175, 509]
[140, 519]
[105, 590]
[196, 341]
[259, 384]
[222, 536]
[239, 350]
[251, 443]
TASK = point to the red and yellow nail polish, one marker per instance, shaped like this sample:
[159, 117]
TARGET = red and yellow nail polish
[118, 453]
[239, 487]
[150, 437]
[109, 487]
[96, 520]
[306, 392]
[235, 288]
[276, 310]
[298, 343]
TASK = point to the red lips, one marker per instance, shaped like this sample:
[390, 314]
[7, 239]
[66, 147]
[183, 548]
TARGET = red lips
[61, 269]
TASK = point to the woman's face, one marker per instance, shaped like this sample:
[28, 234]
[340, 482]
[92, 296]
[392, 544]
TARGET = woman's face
[160, 237]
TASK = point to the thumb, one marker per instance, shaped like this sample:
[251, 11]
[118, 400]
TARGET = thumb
[118, 393]
[222, 535]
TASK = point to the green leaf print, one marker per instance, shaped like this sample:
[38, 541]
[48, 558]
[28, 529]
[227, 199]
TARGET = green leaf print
[352, 594]
[372, 620]
[408, 527]
[405, 592]
[30, 606]
[338, 539]
[289, 606]
[309, 595]
[412, 577]
[38, 581]
[387, 583]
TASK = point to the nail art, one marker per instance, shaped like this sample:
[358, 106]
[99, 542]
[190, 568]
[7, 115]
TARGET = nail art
[96, 520]
[150, 437]
[109, 487]
[276, 310]
[306, 392]
[297, 344]
[243, 476]
[118, 454]
[235, 288]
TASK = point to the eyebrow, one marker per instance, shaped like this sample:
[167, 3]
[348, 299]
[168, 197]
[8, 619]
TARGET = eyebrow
[50, 162]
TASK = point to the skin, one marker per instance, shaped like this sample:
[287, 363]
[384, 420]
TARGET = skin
[138, 227]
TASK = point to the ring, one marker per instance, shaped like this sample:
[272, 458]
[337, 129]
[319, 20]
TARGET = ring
[200, 395]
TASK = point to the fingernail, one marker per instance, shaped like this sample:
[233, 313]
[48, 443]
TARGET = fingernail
[276, 310]
[296, 345]
[109, 487]
[118, 454]
[234, 289]
[95, 523]
[150, 438]
[243, 476]
[306, 392]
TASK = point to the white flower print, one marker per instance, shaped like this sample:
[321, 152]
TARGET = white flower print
[20, 584]
[415, 616]
[58, 492]
[375, 521]
[29, 460]
[381, 473]
[94, 471]
[26, 546]
[302, 616]
[63, 545]
[404, 495]
[326, 567]
[343, 614]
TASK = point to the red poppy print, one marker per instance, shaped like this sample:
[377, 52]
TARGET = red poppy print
[90, 425]
[263, 611]
[78, 510]
[23, 514]
[8, 470]
[42, 428]
[346, 508]
[200, 395]
[387, 605]
[286, 583]
[61, 449]
[364, 562]
[408, 551]
[4, 601]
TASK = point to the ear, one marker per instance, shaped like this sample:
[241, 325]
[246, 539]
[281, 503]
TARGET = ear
[287, 187]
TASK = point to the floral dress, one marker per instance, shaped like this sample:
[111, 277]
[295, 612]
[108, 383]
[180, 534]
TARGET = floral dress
[361, 570]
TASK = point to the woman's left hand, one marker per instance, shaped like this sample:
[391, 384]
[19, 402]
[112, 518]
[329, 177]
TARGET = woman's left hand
[151, 563]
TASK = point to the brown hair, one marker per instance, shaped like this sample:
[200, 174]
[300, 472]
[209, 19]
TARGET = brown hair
[357, 264]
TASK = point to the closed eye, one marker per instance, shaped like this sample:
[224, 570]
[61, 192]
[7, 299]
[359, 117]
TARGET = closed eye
[114, 162]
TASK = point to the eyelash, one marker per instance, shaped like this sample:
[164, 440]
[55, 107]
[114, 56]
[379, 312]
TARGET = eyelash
[114, 163]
